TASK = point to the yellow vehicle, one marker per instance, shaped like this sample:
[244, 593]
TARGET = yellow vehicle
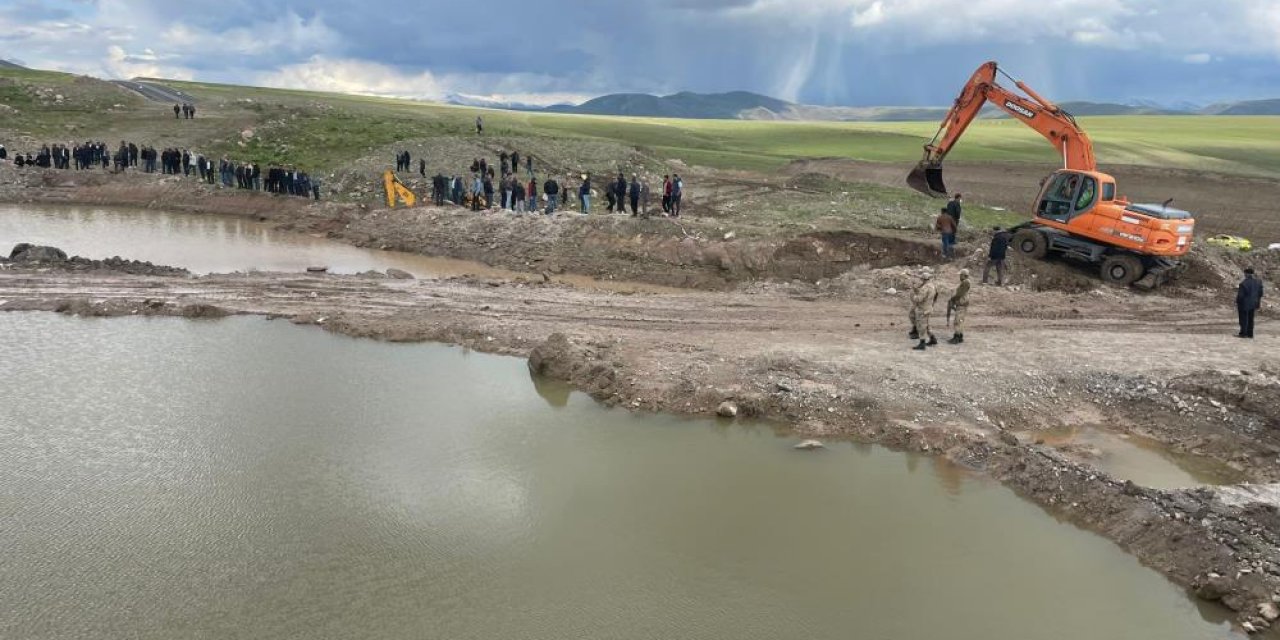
[1230, 242]
[396, 191]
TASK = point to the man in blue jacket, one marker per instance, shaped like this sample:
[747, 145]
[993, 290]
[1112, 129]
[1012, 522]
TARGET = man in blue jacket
[1248, 299]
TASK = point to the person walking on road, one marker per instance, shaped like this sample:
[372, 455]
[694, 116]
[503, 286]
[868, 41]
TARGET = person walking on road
[958, 307]
[946, 226]
[922, 301]
[1248, 300]
[996, 255]
[177, 111]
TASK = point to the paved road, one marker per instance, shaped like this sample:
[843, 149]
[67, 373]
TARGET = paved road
[156, 92]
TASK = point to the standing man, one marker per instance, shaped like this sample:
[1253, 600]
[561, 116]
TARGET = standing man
[422, 167]
[177, 109]
[959, 306]
[635, 194]
[922, 301]
[953, 209]
[666, 194]
[584, 194]
[477, 192]
[1248, 300]
[995, 256]
[946, 226]
[479, 125]
[553, 191]
[677, 194]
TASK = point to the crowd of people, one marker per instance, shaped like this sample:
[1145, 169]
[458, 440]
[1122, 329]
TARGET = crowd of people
[284, 180]
[513, 185]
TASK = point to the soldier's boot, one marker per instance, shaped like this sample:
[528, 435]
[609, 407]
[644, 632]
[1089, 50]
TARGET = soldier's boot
[914, 335]
[932, 340]
[920, 347]
[956, 339]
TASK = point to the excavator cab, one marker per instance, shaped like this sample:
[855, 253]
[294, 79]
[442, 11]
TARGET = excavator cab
[1066, 195]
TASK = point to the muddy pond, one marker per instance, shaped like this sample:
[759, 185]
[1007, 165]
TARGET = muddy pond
[237, 478]
[209, 243]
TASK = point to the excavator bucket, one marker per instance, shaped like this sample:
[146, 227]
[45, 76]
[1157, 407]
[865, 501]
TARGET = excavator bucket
[927, 179]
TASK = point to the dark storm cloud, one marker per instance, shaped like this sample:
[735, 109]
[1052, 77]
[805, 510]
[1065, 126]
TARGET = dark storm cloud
[861, 52]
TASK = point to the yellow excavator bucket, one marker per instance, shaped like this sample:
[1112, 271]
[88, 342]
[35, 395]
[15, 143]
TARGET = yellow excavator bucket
[397, 191]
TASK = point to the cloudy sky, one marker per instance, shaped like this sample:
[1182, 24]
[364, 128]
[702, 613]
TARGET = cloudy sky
[847, 52]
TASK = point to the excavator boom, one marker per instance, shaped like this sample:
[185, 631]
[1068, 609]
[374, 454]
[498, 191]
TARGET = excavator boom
[396, 191]
[1030, 108]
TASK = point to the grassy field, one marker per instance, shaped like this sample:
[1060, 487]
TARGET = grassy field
[326, 128]
[353, 137]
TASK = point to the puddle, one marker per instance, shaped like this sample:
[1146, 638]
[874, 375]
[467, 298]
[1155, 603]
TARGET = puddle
[1144, 461]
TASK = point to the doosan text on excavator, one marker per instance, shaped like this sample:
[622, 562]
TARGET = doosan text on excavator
[1078, 212]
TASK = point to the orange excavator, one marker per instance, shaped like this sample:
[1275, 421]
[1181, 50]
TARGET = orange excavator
[1078, 213]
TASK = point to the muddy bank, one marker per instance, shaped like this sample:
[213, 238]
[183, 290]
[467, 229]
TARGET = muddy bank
[685, 253]
[838, 366]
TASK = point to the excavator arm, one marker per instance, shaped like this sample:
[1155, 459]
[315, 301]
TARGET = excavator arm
[1031, 109]
[396, 191]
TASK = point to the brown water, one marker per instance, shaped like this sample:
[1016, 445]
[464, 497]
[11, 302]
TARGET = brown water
[1144, 461]
[241, 478]
[207, 243]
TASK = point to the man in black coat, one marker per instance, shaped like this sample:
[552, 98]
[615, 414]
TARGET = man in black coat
[634, 192]
[996, 255]
[1248, 300]
[953, 209]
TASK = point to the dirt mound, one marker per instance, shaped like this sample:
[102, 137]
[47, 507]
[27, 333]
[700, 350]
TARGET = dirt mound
[26, 255]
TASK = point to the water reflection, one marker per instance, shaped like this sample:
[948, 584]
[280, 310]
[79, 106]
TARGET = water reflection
[555, 392]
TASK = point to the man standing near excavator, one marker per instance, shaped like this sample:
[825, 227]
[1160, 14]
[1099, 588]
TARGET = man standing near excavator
[1248, 300]
[922, 300]
[954, 208]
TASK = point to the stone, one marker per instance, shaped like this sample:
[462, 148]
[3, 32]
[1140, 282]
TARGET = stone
[399, 274]
[727, 409]
[317, 269]
[1269, 611]
[1008, 438]
[1214, 588]
[810, 445]
[24, 252]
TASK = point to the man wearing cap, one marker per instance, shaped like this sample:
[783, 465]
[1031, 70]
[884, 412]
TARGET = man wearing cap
[959, 304]
[1248, 300]
[922, 301]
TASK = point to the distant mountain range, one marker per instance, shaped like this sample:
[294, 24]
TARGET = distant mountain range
[744, 105]
[5, 64]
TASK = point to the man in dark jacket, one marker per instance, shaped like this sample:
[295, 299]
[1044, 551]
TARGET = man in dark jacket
[1248, 300]
[552, 189]
[635, 194]
[620, 193]
[953, 209]
[995, 256]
